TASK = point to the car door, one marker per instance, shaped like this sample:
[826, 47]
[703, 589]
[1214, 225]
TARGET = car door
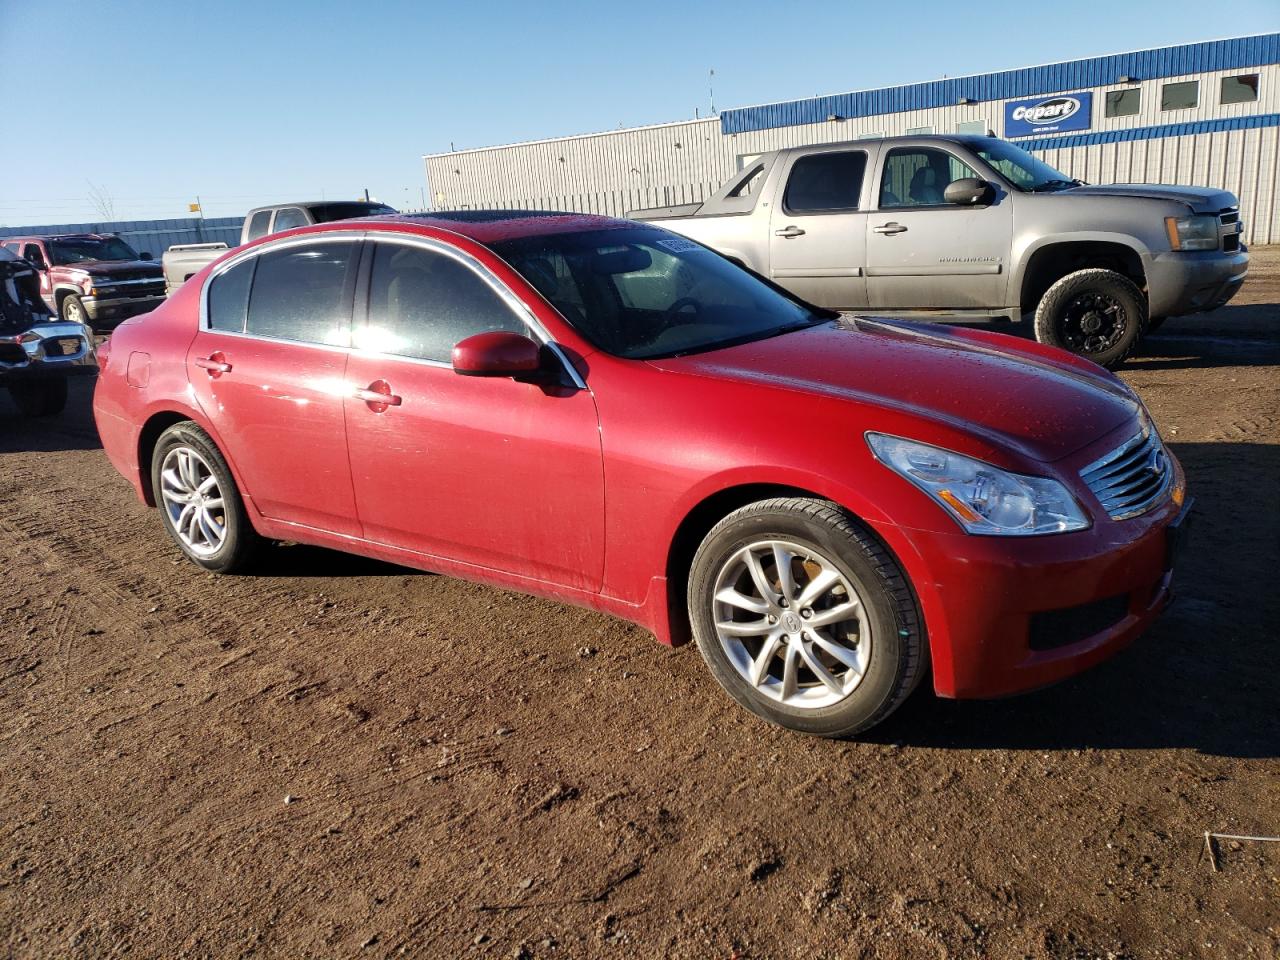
[267, 369]
[817, 246]
[925, 253]
[502, 475]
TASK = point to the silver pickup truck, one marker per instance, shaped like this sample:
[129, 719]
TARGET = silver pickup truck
[963, 227]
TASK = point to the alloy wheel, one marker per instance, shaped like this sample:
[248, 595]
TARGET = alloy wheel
[1093, 323]
[791, 624]
[193, 501]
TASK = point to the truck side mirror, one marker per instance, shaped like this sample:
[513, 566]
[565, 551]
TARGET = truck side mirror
[969, 192]
[145, 255]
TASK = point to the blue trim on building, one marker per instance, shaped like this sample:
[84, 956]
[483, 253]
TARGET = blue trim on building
[1009, 84]
[1151, 133]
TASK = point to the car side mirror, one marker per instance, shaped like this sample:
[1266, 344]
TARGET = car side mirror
[145, 255]
[969, 192]
[498, 353]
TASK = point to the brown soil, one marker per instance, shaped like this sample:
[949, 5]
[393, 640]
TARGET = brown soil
[344, 758]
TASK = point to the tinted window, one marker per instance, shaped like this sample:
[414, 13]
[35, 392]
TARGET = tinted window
[1180, 96]
[1123, 103]
[229, 297]
[288, 218]
[824, 182]
[345, 210]
[304, 293]
[1019, 167]
[258, 225]
[918, 176]
[1243, 89]
[421, 303]
[641, 292]
[33, 255]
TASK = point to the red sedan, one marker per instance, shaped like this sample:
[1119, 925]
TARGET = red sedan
[612, 415]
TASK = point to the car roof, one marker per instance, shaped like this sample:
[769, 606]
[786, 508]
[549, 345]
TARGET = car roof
[59, 236]
[493, 226]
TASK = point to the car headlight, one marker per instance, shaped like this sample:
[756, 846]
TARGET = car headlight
[982, 498]
[1199, 232]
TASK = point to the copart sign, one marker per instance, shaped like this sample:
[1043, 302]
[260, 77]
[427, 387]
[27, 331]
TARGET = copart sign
[1055, 113]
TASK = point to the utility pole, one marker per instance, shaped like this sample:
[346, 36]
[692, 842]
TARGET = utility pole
[711, 89]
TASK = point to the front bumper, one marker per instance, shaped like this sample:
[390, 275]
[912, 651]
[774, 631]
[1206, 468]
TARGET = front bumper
[1181, 283]
[117, 309]
[1006, 615]
[56, 349]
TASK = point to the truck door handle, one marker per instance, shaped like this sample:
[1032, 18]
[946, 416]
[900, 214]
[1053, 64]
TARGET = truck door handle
[890, 228]
[788, 232]
[378, 396]
[216, 364]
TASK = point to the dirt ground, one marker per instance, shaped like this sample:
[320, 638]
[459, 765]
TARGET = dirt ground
[338, 757]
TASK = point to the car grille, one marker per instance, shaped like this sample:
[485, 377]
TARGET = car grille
[1131, 479]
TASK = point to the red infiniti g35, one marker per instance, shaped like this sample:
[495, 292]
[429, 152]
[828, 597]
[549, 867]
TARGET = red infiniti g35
[612, 415]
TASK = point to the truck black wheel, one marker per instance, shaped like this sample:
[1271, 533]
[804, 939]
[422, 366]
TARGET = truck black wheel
[40, 398]
[73, 311]
[1096, 314]
[805, 618]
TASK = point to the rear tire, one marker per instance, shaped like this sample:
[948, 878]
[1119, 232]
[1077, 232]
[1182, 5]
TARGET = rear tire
[200, 506]
[1096, 314]
[40, 398]
[829, 661]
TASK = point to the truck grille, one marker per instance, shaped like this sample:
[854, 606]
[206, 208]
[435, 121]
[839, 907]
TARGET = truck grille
[1131, 479]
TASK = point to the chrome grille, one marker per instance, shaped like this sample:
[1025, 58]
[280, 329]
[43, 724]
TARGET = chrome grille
[1131, 479]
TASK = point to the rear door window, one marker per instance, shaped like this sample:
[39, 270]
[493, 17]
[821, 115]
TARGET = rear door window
[304, 293]
[258, 224]
[288, 218]
[825, 182]
[422, 302]
[228, 299]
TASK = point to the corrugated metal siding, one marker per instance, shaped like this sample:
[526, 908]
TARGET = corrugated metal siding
[1151, 133]
[150, 236]
[1214, 55]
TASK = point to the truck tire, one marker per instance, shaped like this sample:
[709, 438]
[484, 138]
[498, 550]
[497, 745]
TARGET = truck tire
[73, 311]
[40, 398]
[1094, 313]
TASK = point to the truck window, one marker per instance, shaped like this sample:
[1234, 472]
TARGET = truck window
[918, 177]
[825, 182]
[31, 253]
[258, 225]
[288, 218]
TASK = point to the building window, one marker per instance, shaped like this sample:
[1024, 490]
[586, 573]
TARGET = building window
[973, 126]
[1182, 95]
[1242, 89]
[919, 131]
[1124, 103]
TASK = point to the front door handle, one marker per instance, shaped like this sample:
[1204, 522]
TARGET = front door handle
[788, 232]
[215, 364]
[890, 228]
[378, 396]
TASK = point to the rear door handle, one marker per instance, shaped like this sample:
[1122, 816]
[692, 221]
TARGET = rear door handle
[788, 232]
[890, 228]
[378, 396]
[216, 364]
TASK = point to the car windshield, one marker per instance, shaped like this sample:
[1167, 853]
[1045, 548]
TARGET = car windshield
[347, 210]
[78, 249]
[643, 293]
[1020, 168]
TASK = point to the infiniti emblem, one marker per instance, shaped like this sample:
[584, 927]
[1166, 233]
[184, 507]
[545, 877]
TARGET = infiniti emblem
[791, 622]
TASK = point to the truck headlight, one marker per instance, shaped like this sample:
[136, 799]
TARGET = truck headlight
[982, 498]
[1199, 232]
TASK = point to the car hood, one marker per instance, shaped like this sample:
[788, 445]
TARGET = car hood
[1199, 199]
[118, 268]
[1044, 409]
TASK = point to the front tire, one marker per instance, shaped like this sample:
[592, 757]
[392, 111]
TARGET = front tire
[40, 398]
[201, 508]
[1096, 314]
[804, 618]
[73, 311]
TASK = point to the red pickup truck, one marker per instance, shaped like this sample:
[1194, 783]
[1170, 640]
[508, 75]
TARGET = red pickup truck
[91, 278]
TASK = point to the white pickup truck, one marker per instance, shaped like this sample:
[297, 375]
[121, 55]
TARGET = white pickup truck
[183, 261]
[967, 227]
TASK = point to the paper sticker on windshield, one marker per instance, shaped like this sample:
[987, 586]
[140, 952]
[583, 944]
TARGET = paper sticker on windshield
[678, 245]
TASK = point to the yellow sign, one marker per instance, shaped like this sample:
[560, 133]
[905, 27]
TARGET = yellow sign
[193, 207]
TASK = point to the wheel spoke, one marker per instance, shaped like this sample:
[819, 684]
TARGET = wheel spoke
[753, 628]
[816, 587]
[760, 665]
[184, 520]
[758, 577]
[840, 652]
[786, 582]
[790, 668]
[731, 596]
[820, 671]
[211, 531]
[209, 483]
[215, 504]
[841, 611]
[186, 470]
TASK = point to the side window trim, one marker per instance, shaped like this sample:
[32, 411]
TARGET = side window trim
[349, 236]
[510, 300]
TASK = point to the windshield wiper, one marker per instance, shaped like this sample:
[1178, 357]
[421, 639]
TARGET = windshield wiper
[1056, 184]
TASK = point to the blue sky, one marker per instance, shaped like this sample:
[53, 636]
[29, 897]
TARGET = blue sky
[253, 102]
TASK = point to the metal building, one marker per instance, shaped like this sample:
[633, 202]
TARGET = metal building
[1200, 113]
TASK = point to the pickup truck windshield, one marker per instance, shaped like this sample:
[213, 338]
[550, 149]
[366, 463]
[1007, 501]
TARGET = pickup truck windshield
[644, 293]
[63, 252]
[1022, 169]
